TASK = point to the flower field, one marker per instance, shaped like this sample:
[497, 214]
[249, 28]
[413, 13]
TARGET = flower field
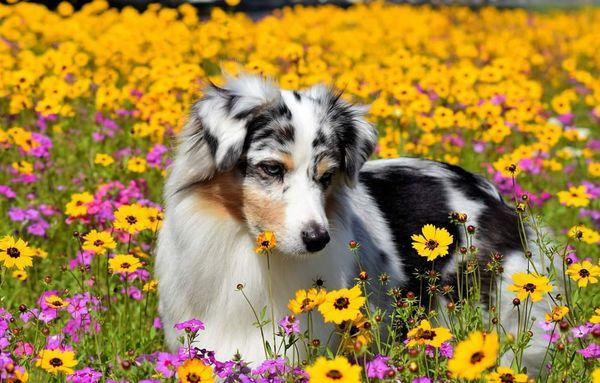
[90, 101]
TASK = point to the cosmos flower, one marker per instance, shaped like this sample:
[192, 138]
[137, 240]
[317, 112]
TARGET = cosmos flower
[333, 371]
[474, 355]
[290, 325]
[530, 285]
[432, 243]
[191, 326]
[341, 305]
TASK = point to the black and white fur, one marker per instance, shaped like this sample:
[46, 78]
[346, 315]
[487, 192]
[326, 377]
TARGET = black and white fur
[253, 157]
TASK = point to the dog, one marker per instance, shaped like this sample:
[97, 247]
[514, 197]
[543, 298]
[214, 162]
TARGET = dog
[253, 157]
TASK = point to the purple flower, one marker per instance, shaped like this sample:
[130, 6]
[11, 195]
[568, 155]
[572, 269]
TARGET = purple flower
[7, 192]
[378, 367]
[580, 331]
[85, 375]
[290, 325]
[591, 351]
[446, 350]
[192, 325]
[167, 364]
[422, 379]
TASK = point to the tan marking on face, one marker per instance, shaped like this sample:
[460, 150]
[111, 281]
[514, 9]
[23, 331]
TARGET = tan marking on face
[262, 211]
[223, 196]
[288, 162]
[324, 165]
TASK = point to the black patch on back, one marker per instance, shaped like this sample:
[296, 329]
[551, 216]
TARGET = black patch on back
[211, 142]
[297, 96]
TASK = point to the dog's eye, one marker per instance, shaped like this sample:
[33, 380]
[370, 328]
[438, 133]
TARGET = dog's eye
[325, 180]
[272, 169]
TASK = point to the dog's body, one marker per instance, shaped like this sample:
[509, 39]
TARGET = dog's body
[255, 158]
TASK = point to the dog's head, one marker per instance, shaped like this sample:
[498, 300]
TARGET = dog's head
[277, 154]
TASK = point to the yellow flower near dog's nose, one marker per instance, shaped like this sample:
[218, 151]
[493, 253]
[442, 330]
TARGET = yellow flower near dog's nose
[305, 301]
[265, 241]
[336, 370]
[433, 242]
[342, 305]
[195, 371]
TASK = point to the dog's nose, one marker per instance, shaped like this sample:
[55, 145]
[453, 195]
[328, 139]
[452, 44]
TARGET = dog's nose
[315, 237]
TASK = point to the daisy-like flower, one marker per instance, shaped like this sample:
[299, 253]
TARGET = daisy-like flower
[136, 165]
[155, 218]
[358, 330]
[530, 285]
[595, 319]
[333, 371]
[306, 300]
[584, 234]
[195, 371]
[98, 241]
[557, 314]
[124, 263]
[432, 243]
[20, 275]
[131, 218]
[431, 336]
[505, 375]
[265, 241]
[56, 302]
[77, 206]
[151, 285]
[576, 196]
[57, 361]
[103, 159]
[15, 253]
[474, 355]
[584, 273]
[342, 305]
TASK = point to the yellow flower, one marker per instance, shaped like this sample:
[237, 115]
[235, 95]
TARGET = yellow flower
[57, 361]
[359, 332]
[21, 275]
[584, 273]
[333, 371]
[557, 314]
[474, 355]
[232, 3]
[596, 375]
[576, 196]
[432, 243]
[195, 371]
[594, 169]
[584, 234]
[305, 301]
[424, 334]
[103, 159]
[131, 218]
[77, 207]
[596, 317]
[124, 263]
[342, 305]
[136, 165]
[23, 167]
[98, 242]
[19, 377]
[530, 285]
[155, 218]
[505, 375]
[56, 302]
[265, 241]
[151, 285]
[15, 253]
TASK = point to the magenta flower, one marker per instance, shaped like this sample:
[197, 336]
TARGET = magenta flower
[290, 325]
[378, 367]
[192, 326]
[592, 351]
[166, 364]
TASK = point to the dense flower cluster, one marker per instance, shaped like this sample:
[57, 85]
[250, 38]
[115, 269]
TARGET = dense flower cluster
[90, 99]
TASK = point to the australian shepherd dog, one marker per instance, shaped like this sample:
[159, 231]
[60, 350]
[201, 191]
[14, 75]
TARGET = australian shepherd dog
[253, 157]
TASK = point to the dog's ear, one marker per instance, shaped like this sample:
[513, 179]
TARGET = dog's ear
[218, 122]
[355, 136]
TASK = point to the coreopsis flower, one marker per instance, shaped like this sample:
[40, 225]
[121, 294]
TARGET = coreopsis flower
[584, 273]
[506, 375]
[136, 165]
[20, 275]
[265, 241]
[557, 314]
[55, 302]
[432, 243]
[576, 196]
[584, 234]
[131, 218]
[595, 319]
[150, 286]
[474, 355]
[78, 205]
[155, 218]
[103, 159]
[195, 371]
[57, 361]
[306, 300]
[15, 253]
[358, 330]
[333, 371]
[124, 263]
[530, 285]
[424, 334]
[98, 242]
[342, 305]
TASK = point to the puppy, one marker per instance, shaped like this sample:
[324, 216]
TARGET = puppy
[253, 157]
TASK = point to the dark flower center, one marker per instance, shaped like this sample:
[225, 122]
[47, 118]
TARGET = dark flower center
[507, 378]
[57, 303]
[341, 303]
[334, 374]
[264, 243]
[425, 334]
[192, 377]
[305, 303]
[584, 273]
[431, 244]
[125, 265]
[476, 358]
[98, 242]
[530, 287]
[131, 220]
[13, 252]
[56, 362]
